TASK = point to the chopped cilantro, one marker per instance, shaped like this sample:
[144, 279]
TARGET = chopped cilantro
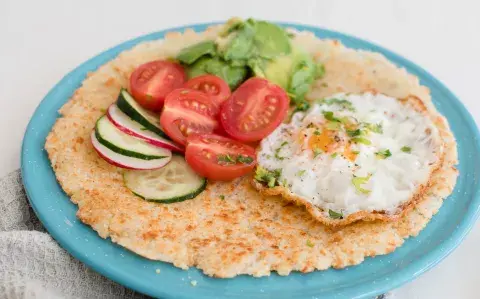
[277, 151]
[356, 152]
[354, 133]
[270, 177]
[222, 197]
[334, 155]
[335, 215]
[309, 243]
[344, 104]
[301, 105]
[357, 181]
[244, 159]
[301, 172]
[383, 154]
[316, 152]
[329, 116]
[227, 159]
[317, 132]
[361, 140]
[333, 126]
[376, 128]
[277, 156]
[406, 149]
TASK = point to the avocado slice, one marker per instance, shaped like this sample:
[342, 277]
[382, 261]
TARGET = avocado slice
[191, 54]
[278, 70]
[294, 72]
[255, 39]
[271, 40]
[233, 75]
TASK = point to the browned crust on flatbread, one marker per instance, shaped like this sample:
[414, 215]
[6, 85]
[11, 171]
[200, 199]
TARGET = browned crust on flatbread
[320, 214]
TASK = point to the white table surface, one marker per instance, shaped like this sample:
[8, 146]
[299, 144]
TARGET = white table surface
[40, 41]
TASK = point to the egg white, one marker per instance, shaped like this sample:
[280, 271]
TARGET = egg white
[325, 178]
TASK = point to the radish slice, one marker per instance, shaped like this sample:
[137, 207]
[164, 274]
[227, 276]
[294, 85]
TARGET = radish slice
[125, 161]
[133, 128]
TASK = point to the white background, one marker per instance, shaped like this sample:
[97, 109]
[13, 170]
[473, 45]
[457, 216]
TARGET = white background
[40, 41]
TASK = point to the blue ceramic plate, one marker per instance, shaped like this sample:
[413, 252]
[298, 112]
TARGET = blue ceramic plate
[372, 277]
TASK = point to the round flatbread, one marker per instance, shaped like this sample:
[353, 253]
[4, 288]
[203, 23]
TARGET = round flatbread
[241, 232]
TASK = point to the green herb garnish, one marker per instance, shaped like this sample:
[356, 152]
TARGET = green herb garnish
[316, 152]
[406, 149]
[329, 116]
[227, 159]
[357, 181]
[303, 74]
[383, 154]
[354, 133]
[309, 243]
[317, 132]
[334, 155]
[267, 176]
[277, 151]
[244, 159]
[222, 197]
[301, 172]
[361, 140]
[301, 105]
[344, 104]
[376, 128]
[335, 215]
[333, 126]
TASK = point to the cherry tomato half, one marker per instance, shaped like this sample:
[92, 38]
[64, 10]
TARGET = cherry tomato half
[213, 86]
[188, 111]
[151, 82]
[254, 110]
[219, 158]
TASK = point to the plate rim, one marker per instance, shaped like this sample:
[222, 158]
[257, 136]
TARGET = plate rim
[402, 276]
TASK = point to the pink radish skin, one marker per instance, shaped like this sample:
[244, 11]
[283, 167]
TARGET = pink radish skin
[147, 136]
[121, 161]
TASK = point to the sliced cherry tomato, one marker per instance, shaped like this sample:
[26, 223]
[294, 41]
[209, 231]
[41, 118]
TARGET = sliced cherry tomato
[219, 158]
[151, 82]
[254, 110]
[214, 86]
[188, 111]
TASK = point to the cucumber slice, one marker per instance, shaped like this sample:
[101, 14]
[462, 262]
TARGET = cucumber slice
[133, 128]
[124, 161]
[173, 183]
[110, 136]
[130, 107]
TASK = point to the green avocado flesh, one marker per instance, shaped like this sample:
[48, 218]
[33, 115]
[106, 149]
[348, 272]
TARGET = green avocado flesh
[233, 75]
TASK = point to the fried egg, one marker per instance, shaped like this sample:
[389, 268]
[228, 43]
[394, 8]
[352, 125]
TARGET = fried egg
[353, 152]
